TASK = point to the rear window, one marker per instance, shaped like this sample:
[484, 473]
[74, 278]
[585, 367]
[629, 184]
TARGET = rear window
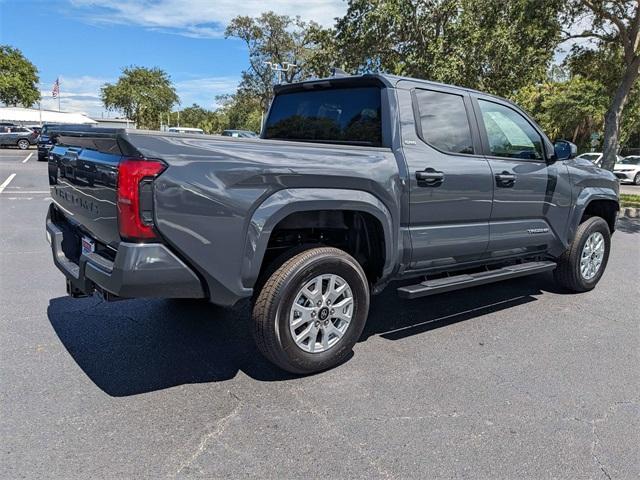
[338, 115]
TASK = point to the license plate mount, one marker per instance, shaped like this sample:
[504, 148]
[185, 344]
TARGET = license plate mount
[88, 245]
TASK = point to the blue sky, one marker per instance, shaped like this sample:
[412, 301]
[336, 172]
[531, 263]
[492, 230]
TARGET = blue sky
[87, 42]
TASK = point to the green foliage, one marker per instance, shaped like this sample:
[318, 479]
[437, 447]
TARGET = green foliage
[629, 200]
[197, 117]
[571, 110]
[491, 45]
[572, 104]
[605, 65]
[276, 39]
[142, 94]
[18, 78]
[241, 111]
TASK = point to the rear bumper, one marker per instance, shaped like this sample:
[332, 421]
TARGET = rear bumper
[138, 270]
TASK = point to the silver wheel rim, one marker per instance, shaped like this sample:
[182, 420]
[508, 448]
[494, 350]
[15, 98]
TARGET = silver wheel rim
[321, 313]
[592, 255]
[23, 144]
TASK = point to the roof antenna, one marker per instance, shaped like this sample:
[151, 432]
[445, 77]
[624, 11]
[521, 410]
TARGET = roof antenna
[338, 72]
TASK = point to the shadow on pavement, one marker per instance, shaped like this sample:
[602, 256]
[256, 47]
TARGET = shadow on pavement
[628, 225]
[137, 346]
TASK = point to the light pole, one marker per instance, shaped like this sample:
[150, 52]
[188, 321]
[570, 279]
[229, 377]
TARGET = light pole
[280, 67]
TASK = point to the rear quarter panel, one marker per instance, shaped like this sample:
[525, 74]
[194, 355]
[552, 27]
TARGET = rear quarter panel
[205, 200]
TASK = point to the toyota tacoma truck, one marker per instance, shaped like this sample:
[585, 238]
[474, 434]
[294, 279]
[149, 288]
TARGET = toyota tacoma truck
[355, 181]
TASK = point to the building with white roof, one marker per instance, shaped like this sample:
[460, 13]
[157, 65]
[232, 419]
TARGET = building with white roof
[34, 116]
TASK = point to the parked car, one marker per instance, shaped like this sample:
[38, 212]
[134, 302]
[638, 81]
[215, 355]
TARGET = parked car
[185, 130]
[36, 128]
[628, 169]
[358, 181]
[596, 157]
[239, 134]
[44, 141]
[17, 136]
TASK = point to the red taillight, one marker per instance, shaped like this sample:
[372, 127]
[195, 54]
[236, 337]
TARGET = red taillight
[132, 174]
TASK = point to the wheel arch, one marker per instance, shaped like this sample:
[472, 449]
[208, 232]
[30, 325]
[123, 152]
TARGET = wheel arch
[601, 202]
[284, 203]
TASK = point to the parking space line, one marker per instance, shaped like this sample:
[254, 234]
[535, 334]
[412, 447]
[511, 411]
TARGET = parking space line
[28, 157]
[31, 192]
[7, 182]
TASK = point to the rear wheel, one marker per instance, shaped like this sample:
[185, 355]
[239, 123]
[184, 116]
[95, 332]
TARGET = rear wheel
[311, 311]
[23, 144]
[582, 265]
[636, 179]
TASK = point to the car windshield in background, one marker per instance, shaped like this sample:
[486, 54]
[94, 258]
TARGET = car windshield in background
[590, 157]
[630, 161]
[340, 115]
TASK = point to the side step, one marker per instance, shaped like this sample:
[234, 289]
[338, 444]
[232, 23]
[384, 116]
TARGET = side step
[448, 284]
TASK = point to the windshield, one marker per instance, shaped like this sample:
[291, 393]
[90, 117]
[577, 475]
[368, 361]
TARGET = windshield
[337, 115]
[590, 156]
[630, 161]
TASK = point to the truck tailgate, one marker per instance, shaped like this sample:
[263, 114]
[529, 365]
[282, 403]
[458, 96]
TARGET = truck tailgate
[83, 183]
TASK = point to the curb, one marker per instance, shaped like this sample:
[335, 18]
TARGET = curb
[630, 212]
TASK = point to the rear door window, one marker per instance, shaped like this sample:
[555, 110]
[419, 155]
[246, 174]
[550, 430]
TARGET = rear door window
[443, 121]
[336, 115]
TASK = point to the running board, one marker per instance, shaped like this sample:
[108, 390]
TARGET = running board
[448, 284]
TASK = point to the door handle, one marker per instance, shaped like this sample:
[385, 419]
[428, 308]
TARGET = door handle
[505, 179]
[429, 178]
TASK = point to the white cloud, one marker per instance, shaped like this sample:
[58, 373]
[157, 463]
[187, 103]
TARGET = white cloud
[82, 94]
[77, 94]
[204, 90]
[202, 18]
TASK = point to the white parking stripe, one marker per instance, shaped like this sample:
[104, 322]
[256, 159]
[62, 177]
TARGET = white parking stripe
[28, 157]
[31, 192]
[7, 182]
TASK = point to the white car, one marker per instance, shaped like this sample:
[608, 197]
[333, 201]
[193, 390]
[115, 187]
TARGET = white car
[596, 157]
[627, 169]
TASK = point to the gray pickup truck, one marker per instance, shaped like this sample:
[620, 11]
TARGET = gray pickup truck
[356, 181]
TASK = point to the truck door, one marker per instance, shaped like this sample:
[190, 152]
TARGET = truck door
[450, 180]
[532, 195]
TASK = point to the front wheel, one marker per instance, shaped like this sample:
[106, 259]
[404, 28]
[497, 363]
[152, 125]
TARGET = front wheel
[636, 179]
[311, 311]
[23, 144]
[582, 265]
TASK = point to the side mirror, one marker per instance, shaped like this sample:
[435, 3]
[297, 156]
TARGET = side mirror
[564, 150]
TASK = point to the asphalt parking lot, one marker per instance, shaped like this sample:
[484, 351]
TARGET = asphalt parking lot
[508, 381]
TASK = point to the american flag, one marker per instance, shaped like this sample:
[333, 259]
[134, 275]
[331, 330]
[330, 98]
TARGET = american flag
[56, 88]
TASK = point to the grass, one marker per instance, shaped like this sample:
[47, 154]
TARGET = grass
[629, 200]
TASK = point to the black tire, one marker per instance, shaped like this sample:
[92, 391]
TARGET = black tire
[636, 179]
[23, 144]
[567, 273]
[274, 301]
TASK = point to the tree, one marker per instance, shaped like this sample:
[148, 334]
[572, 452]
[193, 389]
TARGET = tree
[571, 109]
[241, 111]
[141, 94]
[605, 65]
[197, 117]
[614, 24]
[18, 78]
[494, 46]
[276, 39]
